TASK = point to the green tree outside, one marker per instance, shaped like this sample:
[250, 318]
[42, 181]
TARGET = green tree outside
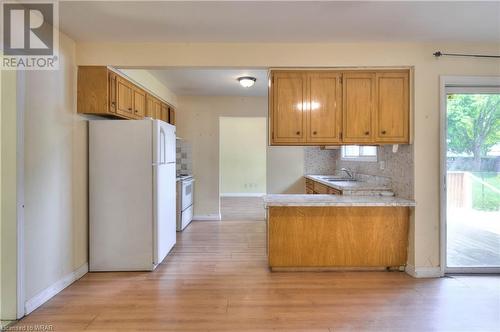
[473, 124]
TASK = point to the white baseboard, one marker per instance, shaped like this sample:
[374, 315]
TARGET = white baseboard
[423, 272]
[207, 217]
[55, 288]
[242, 195]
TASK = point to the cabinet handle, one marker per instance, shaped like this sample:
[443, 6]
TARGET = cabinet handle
[367, 133]
[383, 132]
[130, 108]
[298, 133]
[314, 133]
[113, 103]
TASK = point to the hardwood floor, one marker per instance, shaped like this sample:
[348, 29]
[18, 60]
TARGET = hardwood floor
[242, 208]
[217, 279]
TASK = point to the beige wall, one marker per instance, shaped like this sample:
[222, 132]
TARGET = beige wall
[198, 122]
[55, 175]
[425, 229]
[8, 188]
[144, 78]
[243, 144]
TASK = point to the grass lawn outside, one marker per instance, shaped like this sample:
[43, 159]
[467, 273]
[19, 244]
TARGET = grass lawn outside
[484, 198]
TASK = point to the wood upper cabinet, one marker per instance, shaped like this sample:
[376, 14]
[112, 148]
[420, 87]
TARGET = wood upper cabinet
[288, 100]
[112, 92]
[157, 114]
[324, 107]
[164, 112]
[334, 107]
[392, 116]
[139, 103]
[358, 95]
[103, 91]
[171, 115]
[150, 106]
[124, 98]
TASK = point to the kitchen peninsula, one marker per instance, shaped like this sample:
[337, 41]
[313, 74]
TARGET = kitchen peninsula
[331, 232]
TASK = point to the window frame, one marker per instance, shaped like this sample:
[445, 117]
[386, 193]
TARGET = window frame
[360, 156]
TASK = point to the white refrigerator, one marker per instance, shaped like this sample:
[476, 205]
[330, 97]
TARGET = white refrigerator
[132, 203]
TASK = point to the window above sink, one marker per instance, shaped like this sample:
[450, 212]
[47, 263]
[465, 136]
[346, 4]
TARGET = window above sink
[359, 153]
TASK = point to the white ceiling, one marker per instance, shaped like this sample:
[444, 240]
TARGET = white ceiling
[264, 21]
[212, 82]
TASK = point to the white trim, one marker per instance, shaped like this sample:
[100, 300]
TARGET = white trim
[55, 288]
[455, 82]
[20, 105]
[242, 194]
[424, 272]
[473, 270]
[207, 217]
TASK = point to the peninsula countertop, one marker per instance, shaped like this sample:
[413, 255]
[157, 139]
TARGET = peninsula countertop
[334, 200]
[350, 187]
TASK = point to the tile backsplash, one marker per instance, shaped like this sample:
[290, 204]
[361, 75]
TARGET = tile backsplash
[398, 168]
[318, 161]
[184, 157]
[397, 172]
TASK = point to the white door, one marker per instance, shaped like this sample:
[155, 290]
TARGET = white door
[471, 167]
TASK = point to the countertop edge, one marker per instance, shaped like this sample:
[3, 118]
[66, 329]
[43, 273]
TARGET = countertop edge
[335, 201]
[344, 188]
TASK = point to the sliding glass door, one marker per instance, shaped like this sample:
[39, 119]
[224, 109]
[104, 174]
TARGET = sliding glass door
[472, 179]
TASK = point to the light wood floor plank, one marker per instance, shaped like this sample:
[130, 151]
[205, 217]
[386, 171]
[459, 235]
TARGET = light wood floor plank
[217, 279]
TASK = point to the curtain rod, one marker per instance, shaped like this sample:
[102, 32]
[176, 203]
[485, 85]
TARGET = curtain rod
[438, 54]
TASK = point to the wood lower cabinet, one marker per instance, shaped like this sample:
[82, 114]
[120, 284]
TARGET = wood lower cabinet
[102, 91]
[337, 107]
[325, 237]
[314, 187]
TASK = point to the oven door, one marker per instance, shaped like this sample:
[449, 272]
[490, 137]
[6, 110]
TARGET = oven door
[187, 193]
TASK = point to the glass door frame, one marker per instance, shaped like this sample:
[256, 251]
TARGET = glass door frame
[456, 84]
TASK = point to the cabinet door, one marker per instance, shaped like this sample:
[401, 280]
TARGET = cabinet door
[150, 106]
[358, 101]
[288, 107]
[112, 92]
[392, 111]
[124, 98]
[171, 115]
[157, 111]
[139, 103]
[324, 112]
[164, 113]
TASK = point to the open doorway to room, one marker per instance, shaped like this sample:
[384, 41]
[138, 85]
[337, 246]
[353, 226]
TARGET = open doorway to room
[472, 166]
[242, 154]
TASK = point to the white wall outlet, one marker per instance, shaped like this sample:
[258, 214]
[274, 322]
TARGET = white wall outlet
[381, 164]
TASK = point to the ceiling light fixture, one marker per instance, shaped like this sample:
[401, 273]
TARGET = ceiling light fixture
[247, 81]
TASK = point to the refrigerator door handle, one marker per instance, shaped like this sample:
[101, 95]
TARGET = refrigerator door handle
[163, 146]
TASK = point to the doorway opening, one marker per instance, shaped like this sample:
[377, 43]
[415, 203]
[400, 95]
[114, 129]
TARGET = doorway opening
[242, 146]
[471, 153]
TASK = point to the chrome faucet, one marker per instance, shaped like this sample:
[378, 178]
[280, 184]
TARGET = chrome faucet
[348, 171]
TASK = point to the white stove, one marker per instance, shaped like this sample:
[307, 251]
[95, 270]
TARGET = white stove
[185, 192]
